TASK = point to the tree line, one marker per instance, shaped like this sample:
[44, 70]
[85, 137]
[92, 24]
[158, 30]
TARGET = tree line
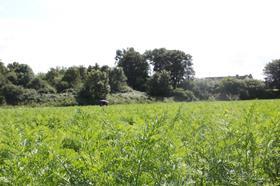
[160, 73]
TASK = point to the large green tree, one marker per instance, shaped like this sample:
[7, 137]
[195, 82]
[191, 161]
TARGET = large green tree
[135, 67]
[72, 78]
[159, 85]
[54, 75]
[54, 78]
[117, 80]
[20, 74]
[177, 62]
[272, 73]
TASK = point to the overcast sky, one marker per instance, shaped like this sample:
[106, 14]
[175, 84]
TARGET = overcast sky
[225, 37]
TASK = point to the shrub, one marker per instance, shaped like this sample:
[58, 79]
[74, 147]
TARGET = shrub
[132, 96]
[13, 94]
[183, 95]
[205, 88]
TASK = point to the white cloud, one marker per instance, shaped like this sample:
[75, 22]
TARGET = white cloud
[224, 37]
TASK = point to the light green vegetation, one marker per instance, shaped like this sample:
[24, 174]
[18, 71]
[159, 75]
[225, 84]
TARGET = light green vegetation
[213, 143]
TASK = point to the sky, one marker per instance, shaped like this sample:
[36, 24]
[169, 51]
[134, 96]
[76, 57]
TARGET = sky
[224, 37]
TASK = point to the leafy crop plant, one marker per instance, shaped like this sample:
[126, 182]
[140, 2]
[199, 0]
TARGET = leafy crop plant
[201, 143]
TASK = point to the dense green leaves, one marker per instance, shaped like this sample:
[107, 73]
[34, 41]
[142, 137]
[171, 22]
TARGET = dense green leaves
[117, 80]
[95, 88]
[213, 143]
[176, 62]
[41, 86]
[13, 94]
[72, 77]
[135, 67]
[272, 73]
[54, 76]
[20, 74]
[159, 84]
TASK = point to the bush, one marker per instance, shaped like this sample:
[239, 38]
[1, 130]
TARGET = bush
[231, 88]
[17, 95]
[128, 97]
[270, 94]
[13, 94]
[253, 89]
[63, 99]
[205, 88]
[180, 94]
[95, 88]
[30, 96]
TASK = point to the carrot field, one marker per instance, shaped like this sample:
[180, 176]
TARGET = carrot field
[198, 143]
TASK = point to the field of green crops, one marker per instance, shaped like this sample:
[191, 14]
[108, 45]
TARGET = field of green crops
[200, 143]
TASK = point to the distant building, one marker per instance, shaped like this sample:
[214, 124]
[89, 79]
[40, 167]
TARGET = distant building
[236, 77]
